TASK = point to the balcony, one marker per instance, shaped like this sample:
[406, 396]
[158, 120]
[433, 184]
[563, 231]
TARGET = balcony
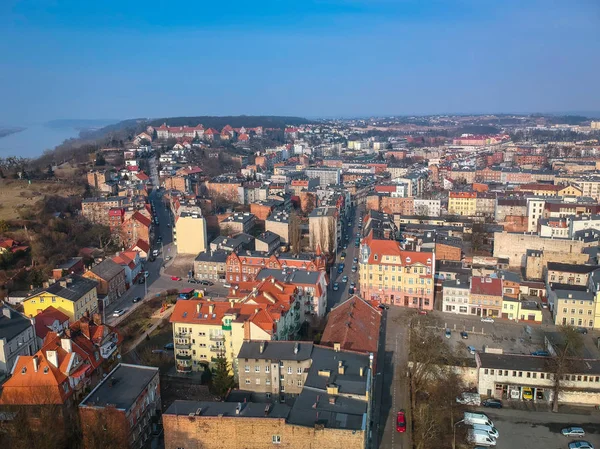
[183, 357]
[215, 348]
[183, 346]
[108, 349]
[185, 337]
[184, 369]
[217, 337]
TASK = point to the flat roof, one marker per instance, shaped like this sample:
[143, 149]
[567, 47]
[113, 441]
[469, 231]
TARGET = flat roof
[228, 409]
[121, 387]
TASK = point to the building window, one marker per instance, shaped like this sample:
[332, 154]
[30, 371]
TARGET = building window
[290, 370]
[267, 368]
[299, 383]
[276, 439]
[247, 368]
[257, 369]
[247, 381]
[257, 381]
[268, 382]
[299, 370]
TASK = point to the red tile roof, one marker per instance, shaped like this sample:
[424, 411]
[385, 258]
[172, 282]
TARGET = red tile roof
[486, 286]
[47, 318]
[141, 219]
[354, 324]
[142, 244]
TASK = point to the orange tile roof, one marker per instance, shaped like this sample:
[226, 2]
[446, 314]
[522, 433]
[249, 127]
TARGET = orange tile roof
[46, 318]
[382, 248]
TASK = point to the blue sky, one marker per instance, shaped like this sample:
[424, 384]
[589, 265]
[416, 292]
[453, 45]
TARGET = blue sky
[130, 58]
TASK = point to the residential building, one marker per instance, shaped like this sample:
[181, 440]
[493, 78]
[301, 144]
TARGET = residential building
[391, 275]
[275, 367]
[332, 410]
[521, 311]
[238, 222]
[17, 337]
[203, 329]
[326, 175]
[211, 266]
[111, 280]
[311, 285]
[427, 207]
[573, 307]
[126, 403]
[323, 229]
[569, 273]
[462, 203]
[73, 295]
[354, 325]
[49, 320]
[190, 229]
[267, 242]
[279, 223]
[456, 294]
[131, 263]
[486, 296]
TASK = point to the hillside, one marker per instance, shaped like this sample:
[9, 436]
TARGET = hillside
[236, 121]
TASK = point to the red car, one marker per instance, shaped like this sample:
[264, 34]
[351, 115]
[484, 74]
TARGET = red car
[422, 312]
[401, 422]
[175, 278]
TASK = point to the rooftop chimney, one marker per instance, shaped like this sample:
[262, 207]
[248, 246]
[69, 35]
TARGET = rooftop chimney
[362, 371]
[262, 347]
[296, 347]
[211, 309]
[238, 408]
[336, 347]
[63, 283]
[36, 363]
[198, 307]
[341, 368]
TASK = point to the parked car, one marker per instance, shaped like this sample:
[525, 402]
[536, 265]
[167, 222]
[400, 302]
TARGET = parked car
[336, 287]
[581, 445]
[464, 335]
[354, 268]
[448, 333]
[345, 279]
[168, 258]
[142, 281]
[175, 278]
[169, 346]
[206, 283]
[581, 330]
[136, 299]
[227, 285]
[422, 312]
[193, 281]
[573, 432]
[541, 353]
[487, 319]
[118, 312]
[351, 291]
[492, 403]
[471, 350]
[355, 260]
[401, 422]
[527, 394]
[342, 256]
[383, 306]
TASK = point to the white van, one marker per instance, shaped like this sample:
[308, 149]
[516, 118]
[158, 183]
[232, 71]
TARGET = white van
[477, 418]
[489, 429]
[481, 438]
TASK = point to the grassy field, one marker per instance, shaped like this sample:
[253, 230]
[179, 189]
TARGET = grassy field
[17, 194]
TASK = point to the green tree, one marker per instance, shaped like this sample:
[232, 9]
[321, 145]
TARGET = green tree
[222, 380]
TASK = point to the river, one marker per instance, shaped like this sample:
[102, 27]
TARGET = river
[34, 140]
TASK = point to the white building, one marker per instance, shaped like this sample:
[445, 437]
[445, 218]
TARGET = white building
[430, 208]
[17, 337]
[455, 295]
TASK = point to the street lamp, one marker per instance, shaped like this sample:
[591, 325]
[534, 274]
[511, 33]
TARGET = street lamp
[454, 433]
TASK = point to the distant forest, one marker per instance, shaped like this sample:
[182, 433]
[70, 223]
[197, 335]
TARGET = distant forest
[237, 121]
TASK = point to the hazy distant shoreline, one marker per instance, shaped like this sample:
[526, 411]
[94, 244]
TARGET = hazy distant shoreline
[4, 132]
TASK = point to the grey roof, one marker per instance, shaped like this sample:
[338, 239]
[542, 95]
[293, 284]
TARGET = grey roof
[587, 235]
[218, 256]
[314, 407]
[73, 291]
[463, 282]
[276, 350]
[12, 323]
[326, 211]
[268, 237]
[121, 387]
[533, 363]
[574, 294]
[510, 276]
[328, 359]
[228, 409]
[69, 263]
[107, 269]
[290, 275]
[572, 268]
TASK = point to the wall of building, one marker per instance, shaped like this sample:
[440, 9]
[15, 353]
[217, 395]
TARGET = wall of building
[234, 433]
[191, 235]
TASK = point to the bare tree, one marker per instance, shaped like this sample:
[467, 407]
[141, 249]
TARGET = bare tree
[426, 429]
[103, 428]
[566, 359]
[294, 232]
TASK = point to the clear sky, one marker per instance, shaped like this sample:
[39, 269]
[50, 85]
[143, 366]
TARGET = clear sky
[131, 58]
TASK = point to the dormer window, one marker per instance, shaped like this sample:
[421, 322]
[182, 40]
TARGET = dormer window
[23, 370]
[408, 260]
[375, 257]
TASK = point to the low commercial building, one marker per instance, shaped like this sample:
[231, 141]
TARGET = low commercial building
[267, 242]
[127, 403]
[508, 376]
[486, 296]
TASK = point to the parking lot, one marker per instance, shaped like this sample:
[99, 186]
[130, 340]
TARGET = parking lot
[511, 337]
[530, 429]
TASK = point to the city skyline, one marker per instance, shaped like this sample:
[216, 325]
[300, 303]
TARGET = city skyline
[311, 59]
